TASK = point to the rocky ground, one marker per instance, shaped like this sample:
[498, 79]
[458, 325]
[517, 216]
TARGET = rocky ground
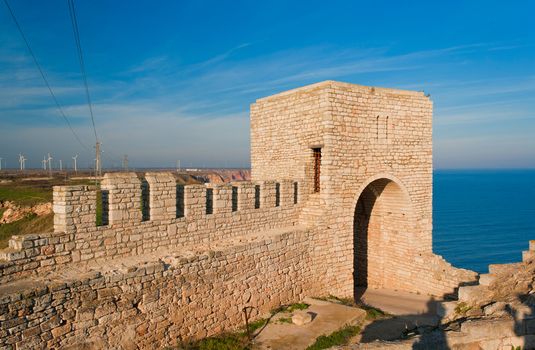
[12, 212]
[496, 313]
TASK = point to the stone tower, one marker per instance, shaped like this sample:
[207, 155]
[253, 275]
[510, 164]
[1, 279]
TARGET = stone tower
[363, 157]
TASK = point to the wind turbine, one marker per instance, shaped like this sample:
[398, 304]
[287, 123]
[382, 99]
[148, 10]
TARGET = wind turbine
[50, 164]
[75, 168]
[21, 161]
[125, 162]
[44, 163]
[1, 163]
[60, 165]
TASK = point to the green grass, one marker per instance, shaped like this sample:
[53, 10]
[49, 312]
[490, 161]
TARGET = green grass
[343, 301]
[290, 308]
[372, 313]
[222, 342]
[253, 326]
[32, 192]
[99, 208]
[30, 224]
[284, 320]
[25, 195]
[339, 337]
[462, 308]
[225, 341]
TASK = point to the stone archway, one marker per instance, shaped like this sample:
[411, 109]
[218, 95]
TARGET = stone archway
[382, 225]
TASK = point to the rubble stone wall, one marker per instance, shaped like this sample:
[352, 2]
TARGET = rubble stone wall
[169, 262]
[154, 304]
[77, 239]
[366, 135]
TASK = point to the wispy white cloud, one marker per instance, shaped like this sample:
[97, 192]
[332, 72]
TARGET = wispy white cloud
[177, 111]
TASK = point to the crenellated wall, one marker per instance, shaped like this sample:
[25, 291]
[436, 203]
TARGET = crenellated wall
[168, 262]
[77, 238]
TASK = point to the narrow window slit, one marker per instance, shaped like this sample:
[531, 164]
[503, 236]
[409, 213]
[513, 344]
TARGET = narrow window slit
[179, 201]
[145, 205]
[277, 194]
[295, 192]
[317, 170]
[234, 198]
[257, 196]
[102, 208]
[209, 201]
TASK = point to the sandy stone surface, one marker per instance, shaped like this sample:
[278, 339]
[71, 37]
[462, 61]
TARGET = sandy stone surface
[326, 319]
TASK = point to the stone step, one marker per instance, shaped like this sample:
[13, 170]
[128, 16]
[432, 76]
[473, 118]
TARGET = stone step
[472, 294]
[486, 279]
[495, 269]
[446, 309]
[528, 255]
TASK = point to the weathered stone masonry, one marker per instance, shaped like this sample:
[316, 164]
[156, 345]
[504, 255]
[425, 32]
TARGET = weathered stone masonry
[187, 267]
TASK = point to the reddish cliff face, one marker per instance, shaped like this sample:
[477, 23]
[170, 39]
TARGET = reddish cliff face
[218, 176]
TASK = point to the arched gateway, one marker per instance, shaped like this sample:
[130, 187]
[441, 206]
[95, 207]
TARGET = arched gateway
[363, 157]
[382, 227]
[341, 197]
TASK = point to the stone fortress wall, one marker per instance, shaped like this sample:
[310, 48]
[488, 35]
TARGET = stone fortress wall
[178, 217]
[172, 263]
[374, 204]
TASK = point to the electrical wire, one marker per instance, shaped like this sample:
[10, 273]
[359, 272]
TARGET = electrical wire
[74, 22]
[60, 109]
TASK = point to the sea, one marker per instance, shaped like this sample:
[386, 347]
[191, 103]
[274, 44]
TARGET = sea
[483, 217]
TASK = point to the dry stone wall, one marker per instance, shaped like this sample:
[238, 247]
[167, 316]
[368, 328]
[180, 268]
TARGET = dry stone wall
[77, 239]
[366, 135]
[168, 262]
[152, 304]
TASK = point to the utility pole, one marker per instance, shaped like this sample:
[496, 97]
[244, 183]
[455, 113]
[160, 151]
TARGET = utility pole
[50, 164]
[125, 162]
[44, 163]
[98, 164]
[1, 163]
[60, 165]
[75, 168]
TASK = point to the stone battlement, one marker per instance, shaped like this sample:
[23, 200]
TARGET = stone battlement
[341, 200]
[142, 216]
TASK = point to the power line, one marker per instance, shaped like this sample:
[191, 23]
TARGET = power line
[60, 109]
[74, 22]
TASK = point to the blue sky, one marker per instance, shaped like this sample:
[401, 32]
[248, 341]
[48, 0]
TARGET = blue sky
[174, 79]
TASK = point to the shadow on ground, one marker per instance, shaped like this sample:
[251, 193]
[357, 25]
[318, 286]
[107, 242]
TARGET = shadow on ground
[425, 325]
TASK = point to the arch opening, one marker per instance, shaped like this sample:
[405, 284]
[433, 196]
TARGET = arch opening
[382, 225]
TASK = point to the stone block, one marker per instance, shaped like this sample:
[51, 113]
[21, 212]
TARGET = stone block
[528, 255]
[481, 329]
[446, 309]
[497, 308]
[486, 279]
[301, 318]
[473, 294]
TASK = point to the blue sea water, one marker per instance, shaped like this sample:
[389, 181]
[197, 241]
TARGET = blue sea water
[481, 217]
